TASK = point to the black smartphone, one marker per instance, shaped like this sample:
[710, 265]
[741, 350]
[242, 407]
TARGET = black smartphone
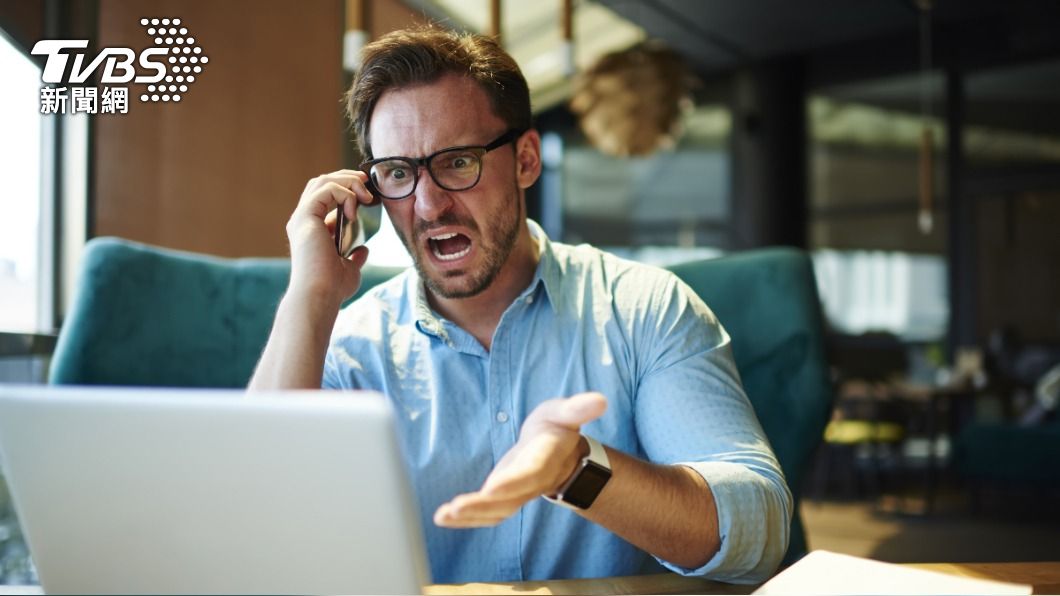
[348, 234]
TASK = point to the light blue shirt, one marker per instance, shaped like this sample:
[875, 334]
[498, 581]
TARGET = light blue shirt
[587, 322]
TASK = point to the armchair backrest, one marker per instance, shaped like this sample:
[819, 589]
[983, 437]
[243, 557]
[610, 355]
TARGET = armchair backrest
[150, 316]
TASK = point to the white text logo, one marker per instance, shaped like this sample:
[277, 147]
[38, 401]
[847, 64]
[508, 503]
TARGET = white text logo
[167, 69]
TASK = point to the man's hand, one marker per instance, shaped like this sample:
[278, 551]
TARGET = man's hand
[320, 280]
[548, 451]
[316, 267]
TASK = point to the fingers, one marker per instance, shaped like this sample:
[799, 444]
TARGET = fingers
[479, 509]
[572, 412]
[536, 465]
[322, 199]
[521, 476]
[525, 482]
[353, 180]
[330, 220]
[359, 256]
[344, 187]
[316, 266]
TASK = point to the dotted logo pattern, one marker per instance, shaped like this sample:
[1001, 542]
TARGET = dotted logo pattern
[185, 59]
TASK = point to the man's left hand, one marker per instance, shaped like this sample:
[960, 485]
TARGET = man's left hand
[548, 451]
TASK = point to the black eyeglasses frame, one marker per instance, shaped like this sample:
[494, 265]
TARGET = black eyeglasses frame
[416, 163]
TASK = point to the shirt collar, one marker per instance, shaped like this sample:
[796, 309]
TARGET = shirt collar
[547, 274]
[426, 321]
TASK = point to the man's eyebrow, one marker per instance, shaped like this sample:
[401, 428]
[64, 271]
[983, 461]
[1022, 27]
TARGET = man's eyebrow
[421, 156]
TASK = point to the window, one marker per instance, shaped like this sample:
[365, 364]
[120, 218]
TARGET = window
[1012, 143]
[876, 269]
[671, 206]
[24, 292]
[21, 280]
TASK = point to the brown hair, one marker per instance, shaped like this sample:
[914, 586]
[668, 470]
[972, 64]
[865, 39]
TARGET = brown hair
[423, 55]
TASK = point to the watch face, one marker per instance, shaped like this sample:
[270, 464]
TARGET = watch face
[590, 481]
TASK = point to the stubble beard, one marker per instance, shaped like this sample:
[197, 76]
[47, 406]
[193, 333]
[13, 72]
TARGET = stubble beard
[496, 248]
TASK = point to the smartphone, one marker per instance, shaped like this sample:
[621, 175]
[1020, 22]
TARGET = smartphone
[348, 234]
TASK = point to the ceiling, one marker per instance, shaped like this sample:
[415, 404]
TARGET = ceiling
[531, 34]
[717, 34]
[1009, 49]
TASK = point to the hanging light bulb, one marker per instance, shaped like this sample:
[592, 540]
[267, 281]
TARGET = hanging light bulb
[567, 45]
[925, 213]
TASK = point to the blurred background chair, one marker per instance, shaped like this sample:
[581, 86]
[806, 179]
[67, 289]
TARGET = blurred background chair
[861, 455]
[1018, 451]
[862, 448]
[150, 316]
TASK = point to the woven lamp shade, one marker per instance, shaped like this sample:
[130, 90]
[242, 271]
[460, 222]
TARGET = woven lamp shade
[630, 102]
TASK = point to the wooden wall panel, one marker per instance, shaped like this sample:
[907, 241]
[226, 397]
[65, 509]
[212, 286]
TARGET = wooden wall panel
[221, 171]
[385, 16]
[23, 21]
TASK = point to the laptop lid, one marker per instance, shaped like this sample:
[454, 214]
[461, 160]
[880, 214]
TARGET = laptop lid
[123, 490]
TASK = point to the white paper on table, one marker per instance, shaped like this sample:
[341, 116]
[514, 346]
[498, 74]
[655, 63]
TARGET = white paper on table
[823, 572]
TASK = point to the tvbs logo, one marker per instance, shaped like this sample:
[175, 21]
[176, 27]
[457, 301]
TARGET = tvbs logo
[118, 63]
[167, 68]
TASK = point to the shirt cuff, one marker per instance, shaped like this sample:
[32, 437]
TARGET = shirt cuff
[754, 518]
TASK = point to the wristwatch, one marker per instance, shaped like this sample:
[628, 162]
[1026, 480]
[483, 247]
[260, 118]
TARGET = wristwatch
[588, 480]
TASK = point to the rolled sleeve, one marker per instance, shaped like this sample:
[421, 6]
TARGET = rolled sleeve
[754, 514]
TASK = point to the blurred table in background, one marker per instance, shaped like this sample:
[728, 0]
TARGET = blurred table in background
[890, 440]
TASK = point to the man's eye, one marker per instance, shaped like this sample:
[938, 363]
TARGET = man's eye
[395, 172]
[461, 162]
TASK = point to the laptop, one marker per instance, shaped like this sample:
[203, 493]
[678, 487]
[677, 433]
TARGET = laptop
[138, 490]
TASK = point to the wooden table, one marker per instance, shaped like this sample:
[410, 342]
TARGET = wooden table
[1045, 577]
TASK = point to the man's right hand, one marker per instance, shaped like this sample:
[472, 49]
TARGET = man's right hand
[317, 270]
[320, 280]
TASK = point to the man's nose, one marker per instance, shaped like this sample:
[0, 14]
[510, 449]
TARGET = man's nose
[432, 201]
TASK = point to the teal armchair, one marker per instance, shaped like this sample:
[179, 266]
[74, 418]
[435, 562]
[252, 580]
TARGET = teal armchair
[150, 316]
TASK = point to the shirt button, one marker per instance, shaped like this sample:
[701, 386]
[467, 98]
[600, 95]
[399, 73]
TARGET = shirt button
[502, 417]
[529, 299]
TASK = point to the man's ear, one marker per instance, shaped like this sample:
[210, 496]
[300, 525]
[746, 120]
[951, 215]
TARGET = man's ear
[528, 158]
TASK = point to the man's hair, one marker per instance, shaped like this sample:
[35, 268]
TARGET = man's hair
[424, 55]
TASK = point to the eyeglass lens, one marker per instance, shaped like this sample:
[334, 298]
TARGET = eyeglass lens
[457, 169]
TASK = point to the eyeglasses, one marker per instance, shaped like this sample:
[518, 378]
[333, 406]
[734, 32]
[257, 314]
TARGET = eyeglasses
[453, 168]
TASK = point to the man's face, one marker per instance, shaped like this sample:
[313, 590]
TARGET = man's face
[459, 240]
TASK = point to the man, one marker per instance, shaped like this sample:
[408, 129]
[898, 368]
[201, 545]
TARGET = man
[519, 367]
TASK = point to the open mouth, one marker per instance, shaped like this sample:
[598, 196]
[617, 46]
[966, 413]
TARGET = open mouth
[450, 246]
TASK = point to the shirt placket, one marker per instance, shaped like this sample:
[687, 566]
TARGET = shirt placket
[504, 431]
